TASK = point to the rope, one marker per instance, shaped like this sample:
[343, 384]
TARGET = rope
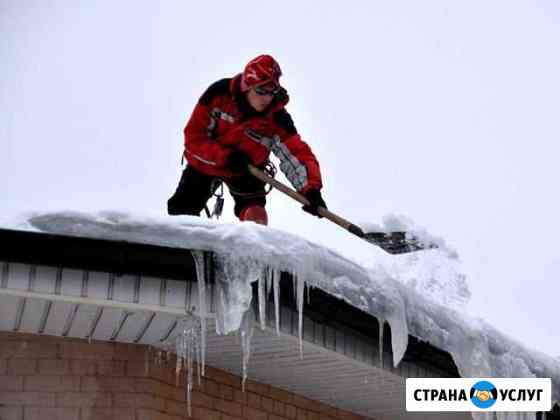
[218, 183]
[270, 170]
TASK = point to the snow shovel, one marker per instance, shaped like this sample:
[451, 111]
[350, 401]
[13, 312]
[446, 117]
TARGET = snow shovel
[392, 242]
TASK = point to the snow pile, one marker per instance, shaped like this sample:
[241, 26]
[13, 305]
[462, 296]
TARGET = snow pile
[390, 290]
[436, 274]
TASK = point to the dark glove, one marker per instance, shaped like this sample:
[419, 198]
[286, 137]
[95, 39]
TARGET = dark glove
[315, 200]
[238, 162]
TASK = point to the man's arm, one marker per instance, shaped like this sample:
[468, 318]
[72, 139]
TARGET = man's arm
[297, 160]
[199, 144]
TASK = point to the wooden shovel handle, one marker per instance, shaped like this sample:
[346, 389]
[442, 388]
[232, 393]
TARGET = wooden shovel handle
[340, 221]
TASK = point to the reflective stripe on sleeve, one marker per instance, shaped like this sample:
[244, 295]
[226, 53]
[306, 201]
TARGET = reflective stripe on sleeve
[291, 167]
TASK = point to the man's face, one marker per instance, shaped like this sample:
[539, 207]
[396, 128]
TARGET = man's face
[261, 96]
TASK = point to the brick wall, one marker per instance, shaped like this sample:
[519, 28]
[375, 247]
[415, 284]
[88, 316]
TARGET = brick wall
[51, 378]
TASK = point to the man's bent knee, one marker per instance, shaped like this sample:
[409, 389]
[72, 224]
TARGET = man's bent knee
[255, 214]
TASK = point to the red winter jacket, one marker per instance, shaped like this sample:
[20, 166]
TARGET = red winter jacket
[223, 121]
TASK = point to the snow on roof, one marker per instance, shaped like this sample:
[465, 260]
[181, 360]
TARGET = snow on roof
[417, 294]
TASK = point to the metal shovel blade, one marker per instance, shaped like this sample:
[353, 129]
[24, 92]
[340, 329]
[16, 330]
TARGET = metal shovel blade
[396, 242]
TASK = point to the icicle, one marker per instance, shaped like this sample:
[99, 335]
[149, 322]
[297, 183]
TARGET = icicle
[269, 274]
[381, 328]
[309, 295]
[202, 311]
[201, 280]
[199, 357]
[265, 278]
[246, 332]
[180, 351]
[294, 277]
[262, 300]
[300, 282]
[187, 346]
[220, 308]
[190, 348]
[234, 277]
[276, 283]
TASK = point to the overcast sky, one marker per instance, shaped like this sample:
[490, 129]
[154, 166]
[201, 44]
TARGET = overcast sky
[446, 112]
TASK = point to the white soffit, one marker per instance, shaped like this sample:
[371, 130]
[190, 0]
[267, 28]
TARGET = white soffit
[338, 367]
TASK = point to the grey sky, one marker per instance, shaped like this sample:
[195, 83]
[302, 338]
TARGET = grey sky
[443, 111]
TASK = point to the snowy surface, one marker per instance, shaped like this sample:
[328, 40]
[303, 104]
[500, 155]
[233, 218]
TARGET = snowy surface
[416, 294]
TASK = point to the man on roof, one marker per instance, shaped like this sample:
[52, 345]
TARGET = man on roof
[239, 121]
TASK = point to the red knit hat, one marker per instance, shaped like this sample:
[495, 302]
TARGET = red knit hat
[259, 70]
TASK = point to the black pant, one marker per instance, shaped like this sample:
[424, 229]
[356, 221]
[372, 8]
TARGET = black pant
[196, 188]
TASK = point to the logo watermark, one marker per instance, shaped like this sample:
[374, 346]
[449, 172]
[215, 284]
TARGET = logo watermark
[478, 394]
